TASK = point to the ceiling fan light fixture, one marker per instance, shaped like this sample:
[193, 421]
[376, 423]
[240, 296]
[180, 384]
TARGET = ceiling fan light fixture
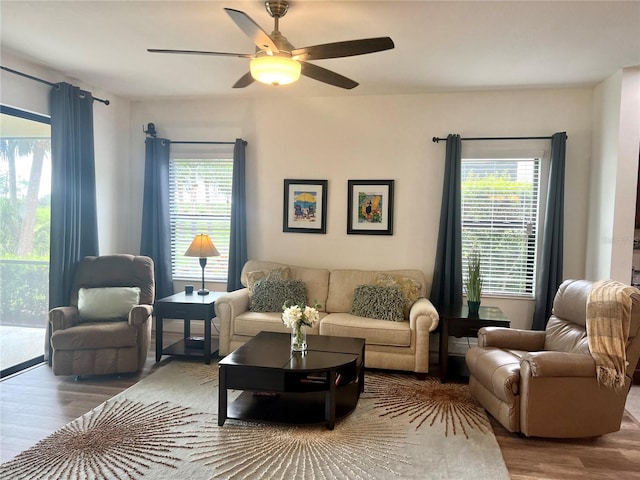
[275, 69]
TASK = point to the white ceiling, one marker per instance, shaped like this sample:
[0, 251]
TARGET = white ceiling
[440, 46]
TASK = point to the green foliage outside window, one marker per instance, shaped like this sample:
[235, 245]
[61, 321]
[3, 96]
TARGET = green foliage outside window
[499, 218]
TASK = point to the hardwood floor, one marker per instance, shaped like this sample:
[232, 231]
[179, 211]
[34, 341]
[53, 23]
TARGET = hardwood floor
[35, 403]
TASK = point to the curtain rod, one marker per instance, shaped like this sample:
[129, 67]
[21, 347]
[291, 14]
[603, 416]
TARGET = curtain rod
[437, 139]
[205, 143]
[31, 77]
[151, 132]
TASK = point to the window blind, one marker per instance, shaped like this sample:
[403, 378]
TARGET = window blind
[200, 202]
[500, 202]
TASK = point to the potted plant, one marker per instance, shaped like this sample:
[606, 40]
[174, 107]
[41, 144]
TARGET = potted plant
[473, 285]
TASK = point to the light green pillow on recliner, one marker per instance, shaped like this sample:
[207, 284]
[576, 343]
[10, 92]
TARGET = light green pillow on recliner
[106, 303]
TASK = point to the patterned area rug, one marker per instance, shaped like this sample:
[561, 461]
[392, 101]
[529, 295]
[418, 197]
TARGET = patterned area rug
[165, 427]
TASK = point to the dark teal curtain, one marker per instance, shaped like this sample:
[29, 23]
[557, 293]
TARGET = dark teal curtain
[238, 236]
[74, 224]
[551, 258]
[155, 240]
[446, 287]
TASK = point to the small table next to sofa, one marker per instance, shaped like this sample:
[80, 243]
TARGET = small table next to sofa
[187, 307]
[456, 322]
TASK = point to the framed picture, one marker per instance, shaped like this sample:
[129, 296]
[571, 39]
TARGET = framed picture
[305, 206]
[370, 207]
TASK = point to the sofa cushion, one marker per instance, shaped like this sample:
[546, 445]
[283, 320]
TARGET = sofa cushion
[270, 295]
[95, 335]
[565, 336]
[375, 332]
[342, 284]
[497, 370]
[315, 279]
[374, 301]
[411, 289]
[252, 323]
[107, 303]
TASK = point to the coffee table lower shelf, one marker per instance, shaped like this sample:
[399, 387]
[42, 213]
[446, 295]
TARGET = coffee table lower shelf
[298, 408]
[182, 349]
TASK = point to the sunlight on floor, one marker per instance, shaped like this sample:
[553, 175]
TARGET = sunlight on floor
[19, 344]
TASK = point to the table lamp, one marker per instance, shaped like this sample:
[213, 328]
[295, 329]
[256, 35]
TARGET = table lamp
[202, 247]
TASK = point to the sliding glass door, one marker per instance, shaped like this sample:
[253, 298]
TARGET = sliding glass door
[25, 208]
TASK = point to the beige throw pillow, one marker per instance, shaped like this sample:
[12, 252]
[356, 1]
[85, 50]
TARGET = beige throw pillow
[410, 288]
[282, 273]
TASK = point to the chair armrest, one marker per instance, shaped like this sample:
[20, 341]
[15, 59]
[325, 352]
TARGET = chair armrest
[511, 338]
[63, 317]
[139, 314]
[424, 308]
[227, 308]
[559, 364]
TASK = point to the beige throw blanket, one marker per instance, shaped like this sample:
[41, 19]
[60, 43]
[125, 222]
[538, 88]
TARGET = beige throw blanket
[608, 322]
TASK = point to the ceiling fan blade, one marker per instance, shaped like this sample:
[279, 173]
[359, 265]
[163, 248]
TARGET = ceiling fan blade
[327, 76]
[252, 30]
[200, 52]
[244, 81]
[344, 49]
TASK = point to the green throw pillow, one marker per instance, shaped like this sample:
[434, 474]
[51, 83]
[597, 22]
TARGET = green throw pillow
[411, 289]
[373, 301]
[106, 303]
[282, 273]
[269, 295]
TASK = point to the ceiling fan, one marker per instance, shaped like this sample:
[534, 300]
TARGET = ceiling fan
[278, 62]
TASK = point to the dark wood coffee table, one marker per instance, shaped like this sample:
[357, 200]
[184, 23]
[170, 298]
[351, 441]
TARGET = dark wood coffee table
[281, 386]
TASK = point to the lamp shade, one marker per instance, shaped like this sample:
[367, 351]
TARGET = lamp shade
[275, 69]
[201, 247]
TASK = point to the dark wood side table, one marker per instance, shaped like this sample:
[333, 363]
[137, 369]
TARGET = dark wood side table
[456, 322]
[187, 307]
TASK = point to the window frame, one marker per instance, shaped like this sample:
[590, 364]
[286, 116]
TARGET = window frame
[506, 152]
[29, 362]
[189, 269]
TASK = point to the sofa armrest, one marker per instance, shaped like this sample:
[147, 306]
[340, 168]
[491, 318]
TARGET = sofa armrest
[140, 314]
[227, 308]
[424, 308]
[63, 317]
[559, 364]
[511, 338]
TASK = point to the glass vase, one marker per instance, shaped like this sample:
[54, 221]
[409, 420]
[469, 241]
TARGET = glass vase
[299, 339]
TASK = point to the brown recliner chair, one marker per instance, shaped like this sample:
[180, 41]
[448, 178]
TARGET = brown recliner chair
[544, 384]
[107, 327]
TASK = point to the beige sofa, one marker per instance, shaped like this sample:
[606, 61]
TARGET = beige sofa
[389, 345]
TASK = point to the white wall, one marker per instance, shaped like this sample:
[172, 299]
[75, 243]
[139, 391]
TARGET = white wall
[111, 137]
[333, 138]
[371, 137]
[613, 186]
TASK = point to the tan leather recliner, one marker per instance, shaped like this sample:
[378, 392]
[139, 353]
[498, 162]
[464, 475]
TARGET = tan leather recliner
[544, 384]
[116, 343]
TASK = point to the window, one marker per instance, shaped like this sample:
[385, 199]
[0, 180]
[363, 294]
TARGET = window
[500, 218]
[25, 212]
[200, 202]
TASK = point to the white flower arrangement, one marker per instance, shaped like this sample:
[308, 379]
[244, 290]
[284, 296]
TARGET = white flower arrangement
[297, 316]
